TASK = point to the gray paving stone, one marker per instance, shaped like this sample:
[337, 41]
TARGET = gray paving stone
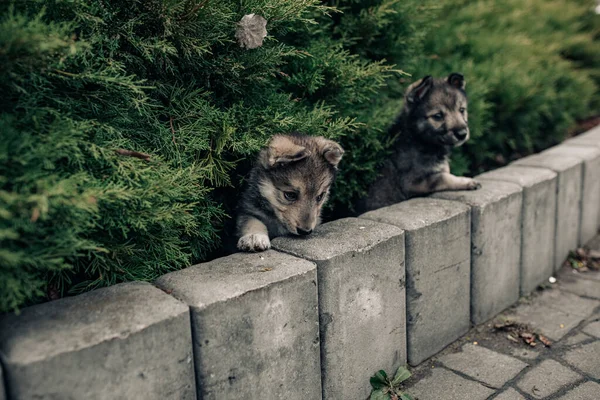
[553, 308]
[586, 391]
[254, 324]
[547, 378]
[495, 245]
[538, 220]
[575, 339]
[569, 194]
[586, 358]
[122, 342]
[485, 365]
[578, 283]
[438, 254]
[362, 300]
[593, 329]
[443, 384]
[509, 394]
[524, 353]
[590, 211]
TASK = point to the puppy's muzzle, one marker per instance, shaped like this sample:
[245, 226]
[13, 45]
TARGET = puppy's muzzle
[303, 232]
[460, 134]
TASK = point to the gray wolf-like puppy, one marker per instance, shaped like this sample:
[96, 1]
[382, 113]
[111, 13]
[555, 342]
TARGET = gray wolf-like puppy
[286, 189]
[434, 120]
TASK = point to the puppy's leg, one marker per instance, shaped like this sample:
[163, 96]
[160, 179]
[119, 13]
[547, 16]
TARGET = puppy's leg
[254, 236]
[444, 181]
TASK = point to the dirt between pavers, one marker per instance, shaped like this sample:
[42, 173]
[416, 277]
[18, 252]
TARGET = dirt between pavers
[488, 336]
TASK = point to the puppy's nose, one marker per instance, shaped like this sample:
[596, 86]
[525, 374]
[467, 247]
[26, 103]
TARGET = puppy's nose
[460, 134]
[303, 232]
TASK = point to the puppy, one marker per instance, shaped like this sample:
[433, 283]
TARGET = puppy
[286, 189]
[434, 120]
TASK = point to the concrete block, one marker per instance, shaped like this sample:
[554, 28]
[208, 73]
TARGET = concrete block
[538, 220]
[362, 311]
[495, 245]
[590, 195]
[438, 260]
[547, 378]
[128, 341]
[254, 325]
[509, 394]
[593, 329]
[568, 206]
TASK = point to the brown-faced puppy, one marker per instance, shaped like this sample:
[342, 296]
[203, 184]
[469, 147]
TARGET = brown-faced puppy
[433, 121]
[286, 189]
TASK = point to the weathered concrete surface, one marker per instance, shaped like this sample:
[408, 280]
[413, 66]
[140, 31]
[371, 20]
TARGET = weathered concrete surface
[538, 220]
[438, 250]
[360, 266]
[509, 394]
[122, 342]
[546, 379]
[585, 359]
[254, 324]
[443, 384]
[491, 368]
[579, 283]
[593, 329]
[554, 313]
[590, 199]
[568, 207]
[495, 245]
[586, 391]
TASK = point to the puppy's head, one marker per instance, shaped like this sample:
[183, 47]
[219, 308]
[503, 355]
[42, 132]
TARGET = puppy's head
[437, 110]
[297, 172]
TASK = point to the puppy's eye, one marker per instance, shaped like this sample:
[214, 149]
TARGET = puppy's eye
[462, 110]
[290, 196]
[320, 197]
[438, 117]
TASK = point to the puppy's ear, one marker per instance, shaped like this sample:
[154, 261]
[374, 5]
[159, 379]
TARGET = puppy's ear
[282, 150]
[417, 91]
[457, 80]
[331, 151]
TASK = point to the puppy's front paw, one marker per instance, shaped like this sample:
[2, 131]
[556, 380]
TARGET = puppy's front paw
[472, 184]
[254, 242]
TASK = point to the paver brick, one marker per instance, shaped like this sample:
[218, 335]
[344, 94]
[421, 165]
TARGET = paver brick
[547, 378]
[593, 329]
[360, 267]
[553, 309]
[495, 245]
[255, 325]
[509, 394]
[438, 250]
[586, 391]
[485, 365]
[443, 384]
[586, 358]
[569, 194]
[576, 339]
[538, 220]
[122, 342]
[573, 281]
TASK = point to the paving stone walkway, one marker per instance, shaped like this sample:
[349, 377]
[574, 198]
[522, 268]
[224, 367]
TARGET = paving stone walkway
[485, 364]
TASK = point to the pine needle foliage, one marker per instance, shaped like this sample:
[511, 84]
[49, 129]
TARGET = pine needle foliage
[127, 124]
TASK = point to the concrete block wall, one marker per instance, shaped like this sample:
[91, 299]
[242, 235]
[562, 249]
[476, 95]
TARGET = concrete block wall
[317, 316]
[437, 271]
